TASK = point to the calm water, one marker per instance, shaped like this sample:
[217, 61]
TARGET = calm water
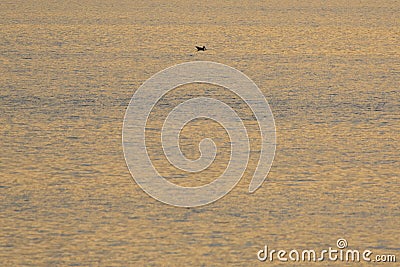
[331, 74]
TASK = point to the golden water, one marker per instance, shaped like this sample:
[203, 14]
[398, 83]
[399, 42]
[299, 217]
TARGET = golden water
[331, 74]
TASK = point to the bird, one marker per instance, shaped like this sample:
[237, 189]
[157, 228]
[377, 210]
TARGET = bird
[199, 48]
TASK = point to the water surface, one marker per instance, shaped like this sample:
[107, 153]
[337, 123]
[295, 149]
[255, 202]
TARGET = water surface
[330, 72]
